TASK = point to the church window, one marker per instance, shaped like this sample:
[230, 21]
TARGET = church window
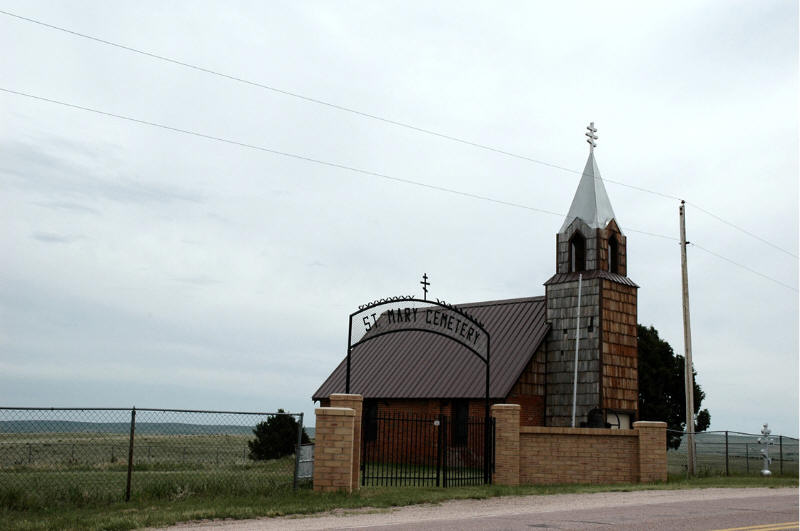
[577, 253]
[613, 255]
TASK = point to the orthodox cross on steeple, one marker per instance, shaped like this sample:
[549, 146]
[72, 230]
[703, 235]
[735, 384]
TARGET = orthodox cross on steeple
[591, 136]
[425, 285]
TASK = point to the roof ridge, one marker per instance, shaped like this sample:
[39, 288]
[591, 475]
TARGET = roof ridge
[500, 302]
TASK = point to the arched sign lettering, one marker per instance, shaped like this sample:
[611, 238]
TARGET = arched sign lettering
[405, 313]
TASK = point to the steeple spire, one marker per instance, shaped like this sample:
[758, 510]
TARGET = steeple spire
[591, 203]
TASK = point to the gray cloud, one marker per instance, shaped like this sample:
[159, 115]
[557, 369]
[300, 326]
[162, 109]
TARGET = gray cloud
[198, 281]
[65, 205]
[53, 168]
[49, 237]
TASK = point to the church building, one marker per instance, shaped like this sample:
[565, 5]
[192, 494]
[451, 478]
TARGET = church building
[533, 339]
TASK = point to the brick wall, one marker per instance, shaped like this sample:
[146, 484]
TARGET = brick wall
[523, 454]
[578, 455]
[652, 451]
[333, 452]
[353, 402]
[507, 454]
[585, 455]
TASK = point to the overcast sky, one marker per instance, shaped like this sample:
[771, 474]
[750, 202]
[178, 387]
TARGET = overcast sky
[144, 266]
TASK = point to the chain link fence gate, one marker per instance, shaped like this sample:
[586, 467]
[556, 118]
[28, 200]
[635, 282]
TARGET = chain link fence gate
[110, 454]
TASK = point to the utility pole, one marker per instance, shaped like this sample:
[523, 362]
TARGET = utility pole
[687, 345]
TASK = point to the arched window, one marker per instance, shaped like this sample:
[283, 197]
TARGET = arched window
[613, 255]
[577, 253]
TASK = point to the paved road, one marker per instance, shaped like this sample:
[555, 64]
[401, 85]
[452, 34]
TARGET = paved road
[706, 509]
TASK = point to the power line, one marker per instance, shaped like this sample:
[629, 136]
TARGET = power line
[310, 159]
[291, 155]
[743, 266]
[326, 103]
[354, 169]
[759, 238]
[379, 118]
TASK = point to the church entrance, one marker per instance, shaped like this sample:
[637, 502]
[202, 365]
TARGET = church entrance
[438, 451]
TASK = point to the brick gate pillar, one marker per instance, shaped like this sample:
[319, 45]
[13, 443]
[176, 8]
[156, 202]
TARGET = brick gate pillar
[355, 403]
[652, 451]
[333, 451]
[506, 444]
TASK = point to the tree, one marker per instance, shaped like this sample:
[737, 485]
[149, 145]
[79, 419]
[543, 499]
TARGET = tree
[275, 437]
[661, 387]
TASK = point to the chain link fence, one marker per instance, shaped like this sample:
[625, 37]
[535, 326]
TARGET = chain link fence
[732, 453]
[106, 454]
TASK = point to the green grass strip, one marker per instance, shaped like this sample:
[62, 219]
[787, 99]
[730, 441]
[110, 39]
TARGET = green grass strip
[179, 506]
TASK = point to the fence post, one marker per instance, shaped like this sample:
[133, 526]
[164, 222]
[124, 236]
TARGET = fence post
[445, 442]
[297, 450]
[747, 457]
[439, 439]
[130, 456]
[727, 470]
[780, 442]
[30, 453]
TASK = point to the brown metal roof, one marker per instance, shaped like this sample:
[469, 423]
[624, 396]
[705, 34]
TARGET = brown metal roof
[595, 273]
[416, 364]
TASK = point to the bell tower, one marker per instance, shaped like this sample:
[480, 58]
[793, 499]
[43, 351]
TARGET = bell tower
[591, 254]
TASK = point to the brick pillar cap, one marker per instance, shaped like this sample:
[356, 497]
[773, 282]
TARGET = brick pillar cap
[649, 424]
[506, 406]
[345, 396]
[336, 411]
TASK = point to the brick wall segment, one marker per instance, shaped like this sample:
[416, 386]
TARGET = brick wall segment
[652, 450]
[333, 455]
[578, 455]
[507, 455]
[354, 402]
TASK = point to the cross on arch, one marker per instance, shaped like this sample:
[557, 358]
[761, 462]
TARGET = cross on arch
[425, 285]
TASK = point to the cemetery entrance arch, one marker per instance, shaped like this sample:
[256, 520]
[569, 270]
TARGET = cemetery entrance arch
[431, 437]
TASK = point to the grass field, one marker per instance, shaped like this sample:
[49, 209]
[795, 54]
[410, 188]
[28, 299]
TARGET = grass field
[48, 469]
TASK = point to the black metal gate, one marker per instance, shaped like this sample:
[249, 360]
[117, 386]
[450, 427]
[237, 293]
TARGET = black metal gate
[409, 450]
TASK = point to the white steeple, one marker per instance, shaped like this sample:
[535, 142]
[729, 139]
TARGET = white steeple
[591, 203]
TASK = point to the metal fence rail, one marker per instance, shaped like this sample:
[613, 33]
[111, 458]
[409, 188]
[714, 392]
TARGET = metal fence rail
[728, 453]
[109, 454]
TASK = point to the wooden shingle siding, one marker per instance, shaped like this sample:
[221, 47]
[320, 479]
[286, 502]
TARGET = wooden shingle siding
[562, 312]
[620, 354]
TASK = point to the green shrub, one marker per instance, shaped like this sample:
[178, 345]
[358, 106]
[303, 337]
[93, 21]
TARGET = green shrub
[275, 437]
